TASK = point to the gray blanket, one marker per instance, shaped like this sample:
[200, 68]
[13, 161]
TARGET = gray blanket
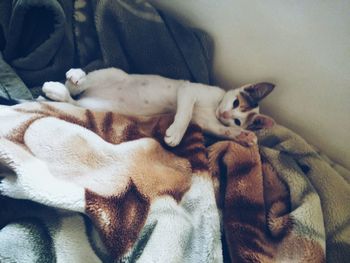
[41, 40]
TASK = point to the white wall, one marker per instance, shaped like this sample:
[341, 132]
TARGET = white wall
[302, 46]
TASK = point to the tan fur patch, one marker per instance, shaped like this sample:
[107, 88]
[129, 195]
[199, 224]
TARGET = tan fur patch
[243, 103]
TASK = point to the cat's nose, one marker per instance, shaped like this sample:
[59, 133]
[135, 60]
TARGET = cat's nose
[225, 114]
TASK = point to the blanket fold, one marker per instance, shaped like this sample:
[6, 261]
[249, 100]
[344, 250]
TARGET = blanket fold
[296, 161]
[114, 170]
[259, 222]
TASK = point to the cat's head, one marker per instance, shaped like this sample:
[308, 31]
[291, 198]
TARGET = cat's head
[240, 107]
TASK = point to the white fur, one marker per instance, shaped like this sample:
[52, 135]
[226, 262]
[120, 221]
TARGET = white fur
[113, 89]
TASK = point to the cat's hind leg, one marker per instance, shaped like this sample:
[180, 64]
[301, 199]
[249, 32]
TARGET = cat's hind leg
[185, 103]
[57, 91]
[75, 78]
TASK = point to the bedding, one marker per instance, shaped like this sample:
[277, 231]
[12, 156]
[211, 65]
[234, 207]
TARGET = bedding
[143, 202]
[42, 40]
[84, 186]
[102, 187]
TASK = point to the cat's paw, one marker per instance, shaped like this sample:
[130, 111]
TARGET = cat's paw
[247, 138]
[173, 135]
[75, 75]
[56, 91]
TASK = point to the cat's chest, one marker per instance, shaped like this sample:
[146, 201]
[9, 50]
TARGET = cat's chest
[203, 115]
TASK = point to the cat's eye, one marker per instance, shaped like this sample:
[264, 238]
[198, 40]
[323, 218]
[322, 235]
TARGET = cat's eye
[237, 122]
[235, 103]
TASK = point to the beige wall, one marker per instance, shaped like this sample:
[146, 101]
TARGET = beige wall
[302, 46]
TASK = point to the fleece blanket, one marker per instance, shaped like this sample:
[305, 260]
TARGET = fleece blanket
[41, 40]
[121, 195]
[83, 186]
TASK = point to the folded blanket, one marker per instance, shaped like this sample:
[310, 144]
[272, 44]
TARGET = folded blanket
[144, 202]
[284, 203]
[319, 190]
[41, 40]
[102, 187]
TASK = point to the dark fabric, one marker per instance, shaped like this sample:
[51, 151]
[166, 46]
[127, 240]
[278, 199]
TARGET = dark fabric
[41, 40]
[11, 86]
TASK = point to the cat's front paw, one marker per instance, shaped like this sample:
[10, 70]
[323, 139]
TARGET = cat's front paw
[75, 75]
[247, 138]
[56, 91]
[173, 136]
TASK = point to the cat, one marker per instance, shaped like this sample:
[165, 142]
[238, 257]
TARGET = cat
[226, 114]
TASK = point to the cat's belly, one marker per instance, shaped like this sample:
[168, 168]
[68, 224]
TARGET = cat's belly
[124, 107]
[131, 99]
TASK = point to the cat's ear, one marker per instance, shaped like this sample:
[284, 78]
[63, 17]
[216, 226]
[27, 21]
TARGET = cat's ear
[260, 121]
[259, 91]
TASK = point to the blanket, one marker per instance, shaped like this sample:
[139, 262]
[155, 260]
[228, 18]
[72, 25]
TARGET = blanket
[41, 40]
[84, 186]
[129, 197]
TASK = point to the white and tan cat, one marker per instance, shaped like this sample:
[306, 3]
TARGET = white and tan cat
[225, 114]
